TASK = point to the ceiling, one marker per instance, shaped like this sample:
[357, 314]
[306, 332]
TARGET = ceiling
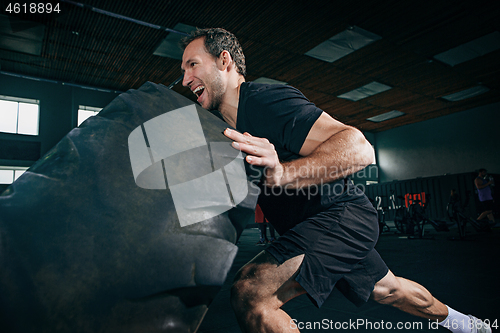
[83, 46]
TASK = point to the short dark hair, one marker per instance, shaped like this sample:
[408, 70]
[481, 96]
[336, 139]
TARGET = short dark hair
[481, 170]
[216, 41]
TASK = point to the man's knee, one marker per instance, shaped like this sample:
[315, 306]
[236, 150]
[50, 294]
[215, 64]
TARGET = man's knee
[245, 289]
[388, 290]
[240, 293]
[399, 292]
[249, 302]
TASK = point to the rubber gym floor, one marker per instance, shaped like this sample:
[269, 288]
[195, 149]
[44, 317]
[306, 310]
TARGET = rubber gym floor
[463, 274]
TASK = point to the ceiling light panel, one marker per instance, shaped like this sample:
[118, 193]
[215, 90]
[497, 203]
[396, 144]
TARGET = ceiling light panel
[468, 93]
[367, 90]
[343, 44]
[21, 36]
[386, 116]
[473, 49]
[169, 47]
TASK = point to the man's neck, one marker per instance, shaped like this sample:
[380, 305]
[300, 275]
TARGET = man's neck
[229, 106]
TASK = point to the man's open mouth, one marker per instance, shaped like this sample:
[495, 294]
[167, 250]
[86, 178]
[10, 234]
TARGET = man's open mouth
[199, 90]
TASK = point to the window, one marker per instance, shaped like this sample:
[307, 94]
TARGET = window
[85, 112]
[9, 174]
[19, 115]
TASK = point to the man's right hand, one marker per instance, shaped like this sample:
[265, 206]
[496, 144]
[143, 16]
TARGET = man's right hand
[260, 152]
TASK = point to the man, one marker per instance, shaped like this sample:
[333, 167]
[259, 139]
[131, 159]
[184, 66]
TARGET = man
[485, 197]
[328, 227]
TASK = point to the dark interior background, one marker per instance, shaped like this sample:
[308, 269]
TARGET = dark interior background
[88, 58]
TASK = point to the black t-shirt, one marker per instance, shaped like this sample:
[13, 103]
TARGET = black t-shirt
[278, 113]
[284, 116]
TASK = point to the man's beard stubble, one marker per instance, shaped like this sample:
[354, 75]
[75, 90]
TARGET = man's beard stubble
[217, 90]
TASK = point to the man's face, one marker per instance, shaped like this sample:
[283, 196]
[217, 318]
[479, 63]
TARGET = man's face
[202, 76]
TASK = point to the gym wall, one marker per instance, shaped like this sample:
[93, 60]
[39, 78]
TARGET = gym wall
[58, 115]
[437, 192]
[458, 143]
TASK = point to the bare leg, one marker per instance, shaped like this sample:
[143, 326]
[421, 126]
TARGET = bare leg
[409, 297]
[486, 214]
[261, 287]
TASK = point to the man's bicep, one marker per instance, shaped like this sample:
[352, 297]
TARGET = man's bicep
[323, 129]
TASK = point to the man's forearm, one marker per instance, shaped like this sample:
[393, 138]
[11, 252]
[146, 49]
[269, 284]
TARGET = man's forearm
[341, 155]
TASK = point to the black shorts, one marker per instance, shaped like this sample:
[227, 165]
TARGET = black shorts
[486, 205]
[339, 251]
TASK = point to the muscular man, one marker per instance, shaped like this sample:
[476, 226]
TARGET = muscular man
[328, 227]
[485, 197]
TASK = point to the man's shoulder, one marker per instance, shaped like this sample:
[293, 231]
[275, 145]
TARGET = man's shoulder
[263, 91]
[272, 98]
